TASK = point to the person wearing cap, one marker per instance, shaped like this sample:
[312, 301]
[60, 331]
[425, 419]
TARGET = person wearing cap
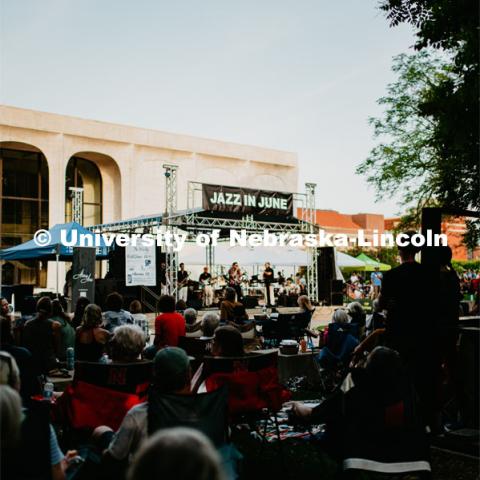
[41, 335]
[171, 374]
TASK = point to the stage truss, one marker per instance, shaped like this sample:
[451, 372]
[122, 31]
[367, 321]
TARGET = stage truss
[195, 220]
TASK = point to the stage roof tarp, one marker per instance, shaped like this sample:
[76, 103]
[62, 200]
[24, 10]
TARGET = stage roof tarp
[31, 251]
[225, 254]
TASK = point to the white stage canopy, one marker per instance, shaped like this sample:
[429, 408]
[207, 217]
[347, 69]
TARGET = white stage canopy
[192, 254]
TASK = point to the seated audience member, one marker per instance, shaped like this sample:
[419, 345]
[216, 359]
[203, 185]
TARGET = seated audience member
[376, 319]
[180, 453]
[171, 374]
[357, 314]
[82, 303]
[339, 343]
[9, 371]
[169, 325]
[90, 338]
[230, 309]
[190, 315]
[376, 418]
[29, 383]
[127, 344]
[66, 331]
[306, 309]
[139, 318]
[227, 342]
[210, 323]
[115, 315]
[14, 441]
[181, 306]
[41, 335]
[4, 308]
[340, 316]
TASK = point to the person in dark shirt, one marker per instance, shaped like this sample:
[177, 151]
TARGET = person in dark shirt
[41, 336]
[376, 420]
[205, 280]
[29, 383]
[268, 280]
[182, 280]
[406, 294]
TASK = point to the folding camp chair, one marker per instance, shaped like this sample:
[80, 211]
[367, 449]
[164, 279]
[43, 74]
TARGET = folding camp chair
[333, 360]
[101, 394]
[254, 391]
[206, 412]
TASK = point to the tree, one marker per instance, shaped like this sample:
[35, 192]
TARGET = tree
[431, 152]
[404, 161]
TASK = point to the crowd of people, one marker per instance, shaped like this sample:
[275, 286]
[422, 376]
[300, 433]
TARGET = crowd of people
[392, 362]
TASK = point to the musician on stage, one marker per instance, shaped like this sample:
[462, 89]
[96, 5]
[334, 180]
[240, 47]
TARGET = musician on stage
[182, 283]
[205, 281]
[235, 279]
[268, 280]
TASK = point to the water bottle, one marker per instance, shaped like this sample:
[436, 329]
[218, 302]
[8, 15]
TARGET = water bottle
[70, 358]
[48, 390]
[264, 309]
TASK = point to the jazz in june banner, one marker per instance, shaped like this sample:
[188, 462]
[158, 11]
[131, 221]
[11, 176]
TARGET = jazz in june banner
[219, 198]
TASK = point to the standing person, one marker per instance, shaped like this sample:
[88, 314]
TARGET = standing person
[163, 279]
[169, 325]
[40, 336]
[115, 315]
[268, 280]
[205, 280]
[235, 279]
[66, 332]
[376, 281]
[182, 280]
[409, 320]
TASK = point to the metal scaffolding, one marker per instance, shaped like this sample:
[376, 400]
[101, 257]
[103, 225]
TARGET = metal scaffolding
[171, 256]
[195, 220]
[312, 270]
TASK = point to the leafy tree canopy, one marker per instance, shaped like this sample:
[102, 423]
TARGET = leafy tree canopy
[428, 136]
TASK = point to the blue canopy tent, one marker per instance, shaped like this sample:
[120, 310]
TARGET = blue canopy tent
[49, 245]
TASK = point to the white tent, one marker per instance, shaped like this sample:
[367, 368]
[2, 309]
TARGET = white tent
[192, 255]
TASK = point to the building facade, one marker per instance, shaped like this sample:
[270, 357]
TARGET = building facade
[335, 223]
[118, 167]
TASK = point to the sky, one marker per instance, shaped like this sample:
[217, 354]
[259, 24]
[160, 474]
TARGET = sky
[295, 75]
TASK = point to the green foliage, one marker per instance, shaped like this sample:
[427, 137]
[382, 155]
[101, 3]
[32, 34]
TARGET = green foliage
[404, 161]
[461, 266]
[429, 135]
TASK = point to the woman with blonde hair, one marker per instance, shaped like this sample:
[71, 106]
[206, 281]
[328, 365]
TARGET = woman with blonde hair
[90, 337]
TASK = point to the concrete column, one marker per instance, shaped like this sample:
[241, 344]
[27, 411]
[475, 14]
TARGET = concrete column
[56, 202]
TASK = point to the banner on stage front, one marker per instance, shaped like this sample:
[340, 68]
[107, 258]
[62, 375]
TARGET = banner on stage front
[219, 198]
[140, 265]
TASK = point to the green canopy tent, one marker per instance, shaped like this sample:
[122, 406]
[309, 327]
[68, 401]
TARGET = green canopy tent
[371, 264]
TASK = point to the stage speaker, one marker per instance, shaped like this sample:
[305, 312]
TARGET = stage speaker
[327, 283]
[195, 303]
[337, 299]
[250, 301]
